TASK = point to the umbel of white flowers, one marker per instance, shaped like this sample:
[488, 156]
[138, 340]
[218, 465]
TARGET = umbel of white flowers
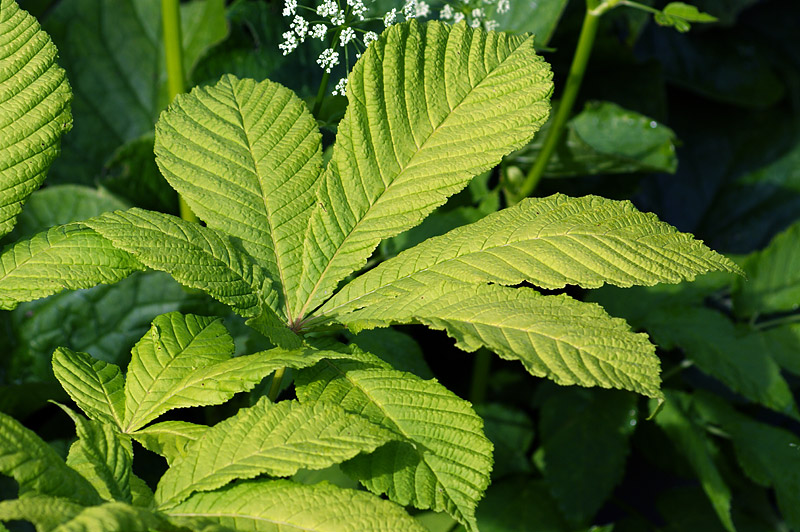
[346, 26]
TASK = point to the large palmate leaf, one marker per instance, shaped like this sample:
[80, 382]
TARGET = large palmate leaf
[66, 257]
[36, 466]
[283, 506]
[568, 341]
[276, 439]
[416, 130]
[246, 157]
[442, 460]
[43, 511]
[169, 438]
[102, 456]
[114, 517]
[550, 242]
[34, 109]
[175, 346]
[97, 387]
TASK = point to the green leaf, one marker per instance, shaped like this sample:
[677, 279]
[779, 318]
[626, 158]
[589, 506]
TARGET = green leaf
[35, 109]
[175, 346]
[246, 157]
[442, 461]
[783, 344]
[567, 341]
[59, 205]
[398, 349]
[43, 511]
[770, 456]
[690, 438]
[511, 432]
[773, 277]
[169, 438]
[114, 57]
[97, 387]
[538, 18]
[283, 506]
[102, 456]
[276, 439]
[737, 358]
[520, 503]
[66, 257]
[550, 242]
[114, 517]
[205, 259]
[585, 440]
[679, 15]
[398, 158]
[605, 138]
[37, 468]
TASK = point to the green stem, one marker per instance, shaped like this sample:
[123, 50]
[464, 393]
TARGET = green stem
[176, 81]
[576, 71]
[323, 85]
[275, 387]
[775, 322]
[481, 368]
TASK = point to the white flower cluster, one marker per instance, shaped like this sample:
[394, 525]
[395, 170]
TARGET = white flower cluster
[339, 20]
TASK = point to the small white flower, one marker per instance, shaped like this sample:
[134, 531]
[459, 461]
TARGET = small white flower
[423, 9]
[358, 8]
[341, 87]
[477, 14]
[503, 6]
[348, 34]
[390, 17]
[476, 23]
[328, 8]
[289, 44]
[446, 13]
[328, 59]
[491, 25]
[300, 27]
[338, 19]
[370, 37]
[318, 31]
[289, 8]
[458, 17]
[410, 9]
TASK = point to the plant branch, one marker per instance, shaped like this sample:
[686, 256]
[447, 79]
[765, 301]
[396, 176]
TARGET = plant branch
[275, 387]
[176, 82]
[481, 368]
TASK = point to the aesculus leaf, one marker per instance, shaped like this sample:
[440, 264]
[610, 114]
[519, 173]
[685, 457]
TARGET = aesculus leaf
[102, 456]
[565, 340]
[416, 130]
[97, 387]
[34, 109]
[549, 242]
[43, 511]
[66, 257]
[173, 348]
[202, 258]
[284, 506]
[114, 517]
[691, 439]
[442, 458]
[246, 157]
[273, 438]
[37, 468]
[169, 438]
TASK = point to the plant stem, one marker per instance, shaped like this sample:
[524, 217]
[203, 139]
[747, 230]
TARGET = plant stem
[323, 85]
[576, 71]
[481, 368]
[275, 387]
[176, 82]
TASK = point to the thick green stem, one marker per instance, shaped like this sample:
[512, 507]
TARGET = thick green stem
[275, 387]
[176, 81]
[576, 71]
[481, 368]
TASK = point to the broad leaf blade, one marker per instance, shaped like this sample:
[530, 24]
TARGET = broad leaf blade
[430, 107]
[37, 468]
[283, 506]
[44, 512]
[169, 438]
[174, 347]
[34, 109]
[102, 457]
[114, 517]
[276, 439]
[550, 242]
[567, 341]
[97, 387]
[442, 461]
[66, 257]
[246, 157]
